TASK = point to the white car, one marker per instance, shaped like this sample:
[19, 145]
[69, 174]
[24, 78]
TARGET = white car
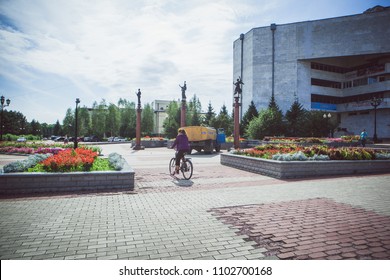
[119, 139]
[21, 139]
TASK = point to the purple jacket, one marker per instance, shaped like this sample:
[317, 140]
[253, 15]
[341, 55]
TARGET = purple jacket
[181, 142]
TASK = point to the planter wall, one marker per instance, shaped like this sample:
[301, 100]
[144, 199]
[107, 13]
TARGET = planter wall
[151, 143]
[307, 144]
[97, 181]
[300, 169]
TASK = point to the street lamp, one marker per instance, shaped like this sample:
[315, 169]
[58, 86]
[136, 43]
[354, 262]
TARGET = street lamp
[7, 102]
[75, 129]
[375, 102]
[327, 117]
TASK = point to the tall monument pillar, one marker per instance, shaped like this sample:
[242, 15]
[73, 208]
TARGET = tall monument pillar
[183, 105]
[236, 143]
[138, 124]
[237, 93]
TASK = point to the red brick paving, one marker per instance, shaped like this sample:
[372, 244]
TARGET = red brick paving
[312, 229]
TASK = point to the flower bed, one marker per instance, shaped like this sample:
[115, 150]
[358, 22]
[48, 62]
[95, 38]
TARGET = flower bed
[313, 140]
[301, 169]
[17, 181]
[274, 151]
[39, 148]
[69, 160]
[293, 161]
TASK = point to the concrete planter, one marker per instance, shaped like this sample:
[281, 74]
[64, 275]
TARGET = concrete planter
[307, 144]
[96, 181]
[299, 169]
[151, 143]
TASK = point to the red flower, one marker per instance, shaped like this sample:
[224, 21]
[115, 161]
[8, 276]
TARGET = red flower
[80, 159]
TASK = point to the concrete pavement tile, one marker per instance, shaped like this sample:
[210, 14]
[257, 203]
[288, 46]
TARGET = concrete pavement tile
[175, 220]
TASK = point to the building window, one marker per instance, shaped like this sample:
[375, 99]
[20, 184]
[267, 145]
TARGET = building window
[347, 84]
[328, 68]
[325, 83]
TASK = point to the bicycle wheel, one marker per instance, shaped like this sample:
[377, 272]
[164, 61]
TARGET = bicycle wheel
[187, 169]
[172, 165]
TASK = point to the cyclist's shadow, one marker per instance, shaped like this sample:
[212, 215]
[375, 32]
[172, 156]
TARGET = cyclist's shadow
[182, 182]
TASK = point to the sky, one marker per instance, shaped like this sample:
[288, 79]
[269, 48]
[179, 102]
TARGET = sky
[54, 51]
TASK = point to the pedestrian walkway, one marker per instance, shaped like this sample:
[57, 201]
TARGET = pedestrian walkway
[221, 213]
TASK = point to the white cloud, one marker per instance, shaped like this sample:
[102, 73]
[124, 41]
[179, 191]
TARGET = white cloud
[65, 49]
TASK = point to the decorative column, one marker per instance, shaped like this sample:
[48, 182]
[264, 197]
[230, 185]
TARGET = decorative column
[237, 92]
[183, 113]
[138, 124]
[236, 122]
[183, 105]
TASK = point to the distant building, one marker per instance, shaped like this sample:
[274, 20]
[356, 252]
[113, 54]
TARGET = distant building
[336, 65]
[160, 114]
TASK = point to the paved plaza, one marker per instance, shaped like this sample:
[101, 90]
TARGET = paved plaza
[221, 213]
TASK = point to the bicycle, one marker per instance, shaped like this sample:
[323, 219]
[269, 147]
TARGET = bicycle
[186, 167]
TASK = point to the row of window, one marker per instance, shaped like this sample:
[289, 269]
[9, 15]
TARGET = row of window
[361, 70]
[349, 84]
[341, 100]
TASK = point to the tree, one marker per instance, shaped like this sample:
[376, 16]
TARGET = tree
[99, 115]
[14, 123]
[193, 113]
[57, 130]
[47, 130]
[112, 120]
[172, 122]
[147, 120]
[35, 128]
[210, 115]
[296, 118]
[249, 115]
[268, 123]
[318, 126]
[84, 122]
[272, 104]
[127, 118]
[68, 124]
[223, 120]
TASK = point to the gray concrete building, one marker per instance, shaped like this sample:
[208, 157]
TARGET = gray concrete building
[159, 108]
[337, 65]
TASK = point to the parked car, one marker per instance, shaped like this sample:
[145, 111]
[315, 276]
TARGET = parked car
[116, 139]
[92, 138]
[119, 139]
[21, 139]
[59, 139]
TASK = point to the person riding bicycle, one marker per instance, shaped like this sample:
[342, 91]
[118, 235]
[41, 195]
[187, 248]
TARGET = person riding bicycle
[183, 147]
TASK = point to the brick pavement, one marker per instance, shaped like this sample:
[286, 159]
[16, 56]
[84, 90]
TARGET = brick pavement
[174, 219]
[312, 229]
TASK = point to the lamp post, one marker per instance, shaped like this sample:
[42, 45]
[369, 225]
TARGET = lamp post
[75, 128]
[4, 103]
[327, 117]
[375, 102]
[138, 124]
